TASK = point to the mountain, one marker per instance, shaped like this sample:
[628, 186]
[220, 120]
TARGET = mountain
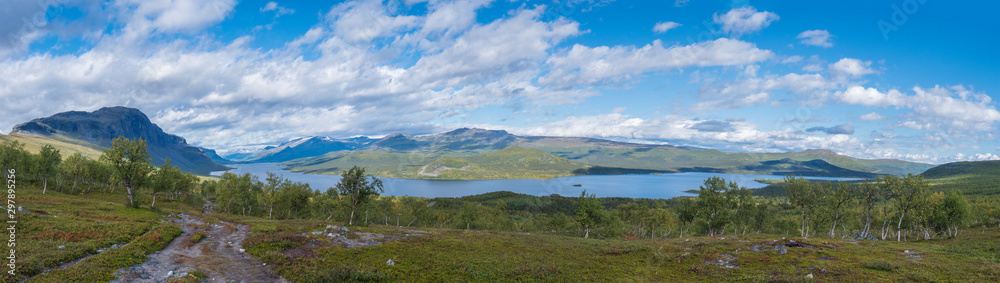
[301, 148]
[101, 127]
[214, 156]
[467, 140]
[464, 141]
[969, 177]
[508, 163]
[404, 156]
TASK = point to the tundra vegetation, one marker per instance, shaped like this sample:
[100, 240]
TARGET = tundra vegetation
[109, 211]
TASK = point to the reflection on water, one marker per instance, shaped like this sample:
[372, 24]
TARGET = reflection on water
[633, 186]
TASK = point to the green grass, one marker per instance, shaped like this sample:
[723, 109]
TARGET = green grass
[197, 237]
[459, 255]
[66, 146]
[80, 225]
[85, 225]
[101, 267]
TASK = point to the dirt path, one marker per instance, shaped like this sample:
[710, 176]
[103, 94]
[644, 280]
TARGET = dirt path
[217, 256]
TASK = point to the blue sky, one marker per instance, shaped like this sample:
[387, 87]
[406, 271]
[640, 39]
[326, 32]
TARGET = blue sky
[907, 79]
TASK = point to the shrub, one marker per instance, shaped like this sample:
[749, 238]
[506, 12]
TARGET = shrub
[881, 265]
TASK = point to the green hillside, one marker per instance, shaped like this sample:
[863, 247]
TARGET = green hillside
[66, 146]
[971, 178]
[509, 163]
[382, 164]
[484, 154]
[807, 163]
[664, 157]
[551, 162]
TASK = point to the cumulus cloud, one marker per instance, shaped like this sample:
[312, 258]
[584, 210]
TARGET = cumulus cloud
[277, 9]
[712, 126]
[173, 16]
[222, 94]
[874, 116]
[362, 21]
[817, 37]
[791, 59]
[812, 68]
[953, 109]
[842, 129]
[369, 67]
[754, 91]
[583, 65]
[738, 135]
[871, 97]
[851, 67]
[975, 157]
[662, 27]
[744, 20]
[23, 22]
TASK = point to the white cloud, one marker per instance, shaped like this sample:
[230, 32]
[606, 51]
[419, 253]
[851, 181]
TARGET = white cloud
[975, 157]
[227, 94]
[744, 20]
[504, 46]
[874, 116]
[24, 22]
[368, 68]
[362, 21]
[812, 68]
[583, 65]
[791, 59]
[662, 27]
[819, 38]
[735, 134]
[756, 91]
[452, 16]
[173, 16]
[871, 97]
[938, 108]
[277, 9]
[851, 67]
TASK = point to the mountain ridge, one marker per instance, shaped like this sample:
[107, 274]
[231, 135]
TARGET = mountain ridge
[102, 126]
[405, 154]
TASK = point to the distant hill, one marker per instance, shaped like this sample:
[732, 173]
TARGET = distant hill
[214, 156]
[970, 177]
[301, 148]
[101, 127]
[509, 163]
[601, 156]
[461, 141]
[815, 167]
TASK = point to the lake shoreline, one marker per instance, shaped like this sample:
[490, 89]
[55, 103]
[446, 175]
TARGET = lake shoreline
[647, 186]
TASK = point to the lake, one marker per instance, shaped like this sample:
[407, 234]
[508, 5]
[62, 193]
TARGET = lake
[633, 186]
